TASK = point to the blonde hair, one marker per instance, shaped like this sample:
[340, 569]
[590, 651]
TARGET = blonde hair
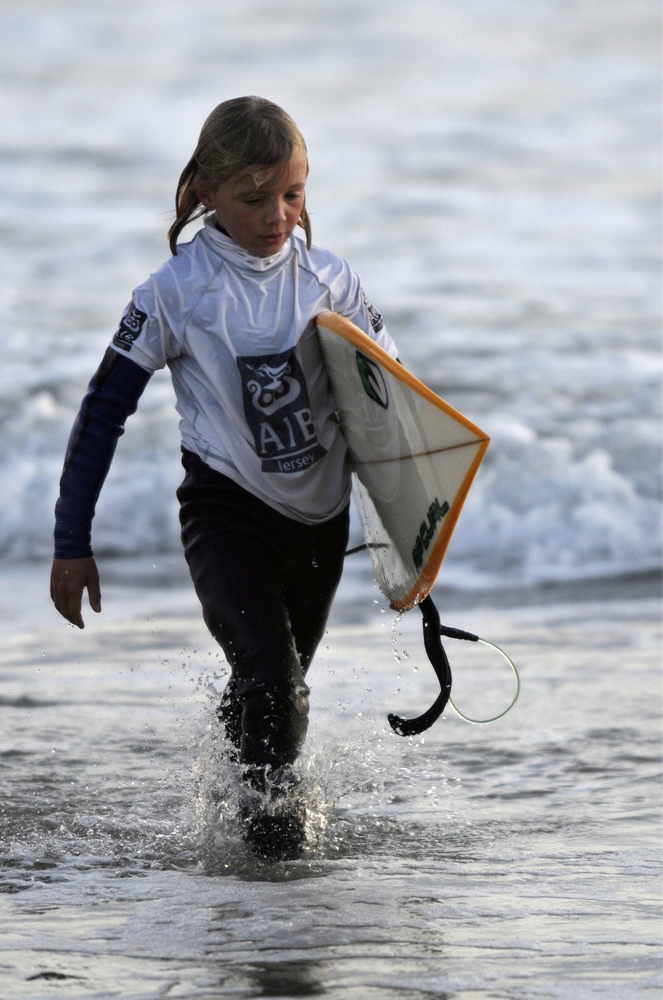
[243, 132]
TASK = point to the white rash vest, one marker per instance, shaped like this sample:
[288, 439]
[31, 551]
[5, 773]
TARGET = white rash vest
[238, 335]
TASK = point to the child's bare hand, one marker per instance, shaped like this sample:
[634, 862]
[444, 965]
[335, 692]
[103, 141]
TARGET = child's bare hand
[69, 578]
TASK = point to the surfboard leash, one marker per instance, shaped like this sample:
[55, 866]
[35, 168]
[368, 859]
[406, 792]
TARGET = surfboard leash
[433, 630]
[440, 663]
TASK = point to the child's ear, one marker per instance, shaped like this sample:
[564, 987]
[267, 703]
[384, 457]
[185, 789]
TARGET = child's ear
[203, 193]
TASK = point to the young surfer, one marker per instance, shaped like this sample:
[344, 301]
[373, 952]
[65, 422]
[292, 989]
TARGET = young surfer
[264, 500]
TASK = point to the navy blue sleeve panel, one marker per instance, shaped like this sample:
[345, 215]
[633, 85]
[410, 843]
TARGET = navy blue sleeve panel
[112, 396]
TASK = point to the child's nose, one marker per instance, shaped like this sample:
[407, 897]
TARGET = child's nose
[276, 210]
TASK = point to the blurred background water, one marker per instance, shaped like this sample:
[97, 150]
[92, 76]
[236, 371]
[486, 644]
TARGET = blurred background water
[492, 170]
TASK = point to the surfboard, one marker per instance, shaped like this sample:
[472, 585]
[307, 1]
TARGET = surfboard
[413, 456]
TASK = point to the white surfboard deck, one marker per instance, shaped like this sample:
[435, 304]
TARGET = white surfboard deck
[414, 457]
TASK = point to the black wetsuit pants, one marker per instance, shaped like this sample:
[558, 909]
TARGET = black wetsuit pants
[266, 583]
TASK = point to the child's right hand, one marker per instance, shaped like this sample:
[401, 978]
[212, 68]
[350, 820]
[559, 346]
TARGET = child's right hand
[69, 578]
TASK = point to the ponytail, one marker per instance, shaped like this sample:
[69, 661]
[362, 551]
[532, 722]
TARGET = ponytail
[187, 206]
[305, 222]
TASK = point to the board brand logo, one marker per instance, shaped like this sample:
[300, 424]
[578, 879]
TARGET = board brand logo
[372, 380]
[436, 512]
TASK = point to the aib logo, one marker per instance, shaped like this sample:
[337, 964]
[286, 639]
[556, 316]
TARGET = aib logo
[278, 411]
[372, 380]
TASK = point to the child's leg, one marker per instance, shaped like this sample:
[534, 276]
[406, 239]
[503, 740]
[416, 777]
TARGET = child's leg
[311, 581]
[309, 577]
[246, 561]
[267, 699]
[239, 589]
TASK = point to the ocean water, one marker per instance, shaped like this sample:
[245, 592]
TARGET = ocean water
[493, 173]
[513, 861]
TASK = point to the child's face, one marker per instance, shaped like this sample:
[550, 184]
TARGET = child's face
[259, 207]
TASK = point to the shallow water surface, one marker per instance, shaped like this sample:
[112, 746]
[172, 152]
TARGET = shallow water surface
[514, 860]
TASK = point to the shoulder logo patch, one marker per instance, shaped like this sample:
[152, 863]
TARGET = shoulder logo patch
[130, 327]
[375, 316]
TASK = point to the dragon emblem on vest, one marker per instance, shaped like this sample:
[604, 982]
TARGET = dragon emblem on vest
[272, 386]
